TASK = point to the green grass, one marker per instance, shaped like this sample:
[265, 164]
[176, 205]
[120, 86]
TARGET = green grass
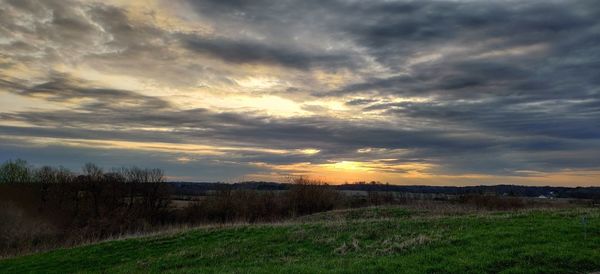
[376, 240]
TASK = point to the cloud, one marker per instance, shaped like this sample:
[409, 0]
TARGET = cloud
[62, 87]
[462, 87]
[242, 52]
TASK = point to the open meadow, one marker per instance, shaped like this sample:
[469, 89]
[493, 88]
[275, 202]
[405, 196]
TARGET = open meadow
[384, 239]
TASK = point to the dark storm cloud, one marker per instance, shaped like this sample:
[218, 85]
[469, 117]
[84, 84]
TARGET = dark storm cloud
[11, 84]
[395, 31]
[54, 21]
[286, 33]
[358, 102]
[551, 118]
[68, 131]
[62, 87]
[558, 40]
[271, 17]
[259, 52]
[126, 34]
[476, 79]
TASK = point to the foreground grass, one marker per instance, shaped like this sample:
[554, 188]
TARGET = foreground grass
[361, 241]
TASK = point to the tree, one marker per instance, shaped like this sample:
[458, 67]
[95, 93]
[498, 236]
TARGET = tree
[17, 171]
[93, 172]
[46, 174]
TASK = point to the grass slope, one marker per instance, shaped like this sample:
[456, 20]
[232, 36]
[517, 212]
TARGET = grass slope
[374, 240]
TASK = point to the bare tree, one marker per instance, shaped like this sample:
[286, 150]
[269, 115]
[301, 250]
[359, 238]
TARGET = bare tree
[64, 175]
[93, 172]
[46, 174]
[155, 175]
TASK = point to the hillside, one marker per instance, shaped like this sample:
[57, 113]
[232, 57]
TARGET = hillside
[371, 240]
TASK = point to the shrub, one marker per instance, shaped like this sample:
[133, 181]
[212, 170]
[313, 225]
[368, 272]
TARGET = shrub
[309, 196]
[491, 202]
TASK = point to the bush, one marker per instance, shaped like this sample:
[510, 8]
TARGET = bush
[490, 202]
[310, 196]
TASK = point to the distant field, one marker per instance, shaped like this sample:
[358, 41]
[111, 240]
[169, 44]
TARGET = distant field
[371, 240]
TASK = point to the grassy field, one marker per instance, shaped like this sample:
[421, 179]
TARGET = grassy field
[369, 240]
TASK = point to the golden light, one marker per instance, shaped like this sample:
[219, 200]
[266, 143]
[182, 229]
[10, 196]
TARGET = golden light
[347, 166]
[309, 151]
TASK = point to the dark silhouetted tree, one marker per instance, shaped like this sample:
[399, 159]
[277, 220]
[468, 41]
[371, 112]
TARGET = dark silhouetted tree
[17, 171]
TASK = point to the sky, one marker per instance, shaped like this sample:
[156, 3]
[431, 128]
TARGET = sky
[404, 92]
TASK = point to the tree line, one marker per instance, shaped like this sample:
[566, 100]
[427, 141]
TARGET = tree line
[46, 207]
[20, 172]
